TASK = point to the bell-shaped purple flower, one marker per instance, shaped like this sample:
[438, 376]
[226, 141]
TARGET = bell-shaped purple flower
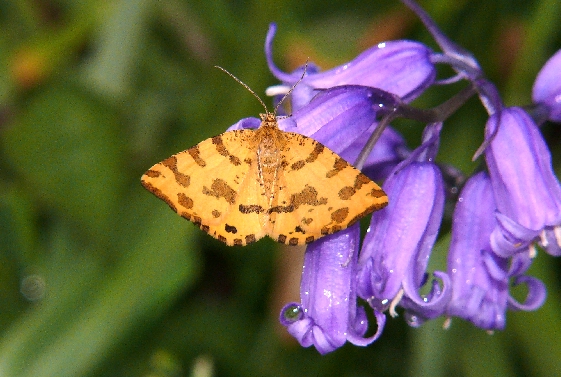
[480, 278]
[403, 68]
[547, 87]
[526, 191]
[339, 116]
[328, 315]
[397, 247]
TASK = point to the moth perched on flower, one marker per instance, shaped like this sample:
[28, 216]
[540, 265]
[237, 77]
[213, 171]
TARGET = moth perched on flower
[245, 184]
[288, 178]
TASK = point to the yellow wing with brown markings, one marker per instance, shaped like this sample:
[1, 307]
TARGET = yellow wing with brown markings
[243, 185]
[205, 183]
[319, 193]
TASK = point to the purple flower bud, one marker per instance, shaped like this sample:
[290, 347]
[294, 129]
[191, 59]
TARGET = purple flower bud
[338, 116]
[403, 68]
[526, 191]
[397, 247]
[480, 278]
[547, 87]
[328, 315]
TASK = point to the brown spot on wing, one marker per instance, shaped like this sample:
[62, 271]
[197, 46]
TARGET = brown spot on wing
[223, 151]
[251, 208]
[221, 189]
[360, 180]
[196, 155]
[346, 193]
[219, 144]
[153, 173]
[298, 165]
[181, 179]
[308, 196]
[377, 193]
[216, 214]
[338, 165]
[235, 160]
[230, 229]
[184, 200]
[340, 215]
[318, 149]
[281, 209]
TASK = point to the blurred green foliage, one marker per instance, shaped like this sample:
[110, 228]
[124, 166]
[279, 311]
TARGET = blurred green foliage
[99, 278]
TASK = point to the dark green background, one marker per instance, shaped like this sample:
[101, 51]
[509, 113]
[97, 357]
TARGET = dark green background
[99, 278]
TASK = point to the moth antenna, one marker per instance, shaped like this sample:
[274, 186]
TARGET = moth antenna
[245, 86]
[292, 88]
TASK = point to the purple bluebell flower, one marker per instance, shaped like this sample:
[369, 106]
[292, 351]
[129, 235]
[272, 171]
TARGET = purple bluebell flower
[339, 116]
[480, 278]
[403, 68]
[397, 247]
[499, 216]
[328, 316]
[547, 87]
[527, 193]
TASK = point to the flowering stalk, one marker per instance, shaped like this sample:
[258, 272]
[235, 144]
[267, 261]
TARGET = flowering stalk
[511, 206]
[328, 315]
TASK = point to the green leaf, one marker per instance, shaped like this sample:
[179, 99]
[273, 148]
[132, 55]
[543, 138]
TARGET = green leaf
[65, 148]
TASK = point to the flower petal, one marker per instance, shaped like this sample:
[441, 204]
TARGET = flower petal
[328, 315]
[525, 187]
[547, 87]
[535, 297]
[476, 295]
[403, 68]
[509, 237]
[338, 116]
[397, 246]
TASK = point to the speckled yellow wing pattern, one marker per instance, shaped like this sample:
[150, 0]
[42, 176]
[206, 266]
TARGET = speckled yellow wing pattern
[203, 184]
[243, 185]
[323, 194]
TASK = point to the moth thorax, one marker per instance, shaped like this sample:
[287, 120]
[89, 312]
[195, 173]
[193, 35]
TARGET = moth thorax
[268, 152]
[268, 165]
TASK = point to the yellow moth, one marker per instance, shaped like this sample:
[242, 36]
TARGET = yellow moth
[243, 185]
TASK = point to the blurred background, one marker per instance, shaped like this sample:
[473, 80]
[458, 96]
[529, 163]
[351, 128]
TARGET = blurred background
[100, 278]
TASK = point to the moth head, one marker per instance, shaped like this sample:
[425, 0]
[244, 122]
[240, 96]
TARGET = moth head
[267, 116]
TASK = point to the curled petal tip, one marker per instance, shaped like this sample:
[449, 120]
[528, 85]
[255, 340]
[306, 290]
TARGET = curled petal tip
[547, 87]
